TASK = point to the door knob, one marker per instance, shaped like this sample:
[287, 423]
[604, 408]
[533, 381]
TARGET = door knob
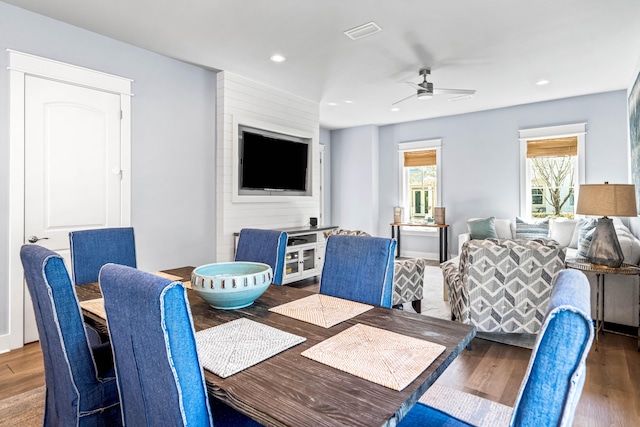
[33, 239]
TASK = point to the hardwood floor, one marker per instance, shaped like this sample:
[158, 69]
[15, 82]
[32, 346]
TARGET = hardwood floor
[21, 370]
[611, 395]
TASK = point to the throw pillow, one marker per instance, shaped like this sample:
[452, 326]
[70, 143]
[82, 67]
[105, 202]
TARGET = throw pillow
[562, 231]
[483, 228]
[585, 235]
[576, 231]
[532, 230]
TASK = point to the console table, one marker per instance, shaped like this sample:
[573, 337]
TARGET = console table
[442, 236]
[585, 266]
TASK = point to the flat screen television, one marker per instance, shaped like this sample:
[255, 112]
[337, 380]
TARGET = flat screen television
[272, 163]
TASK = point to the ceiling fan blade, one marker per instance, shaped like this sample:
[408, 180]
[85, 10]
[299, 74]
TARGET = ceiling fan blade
[415, 86]
[441, 91]
[404, 99]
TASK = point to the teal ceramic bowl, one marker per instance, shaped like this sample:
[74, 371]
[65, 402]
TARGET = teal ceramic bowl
[231, 285]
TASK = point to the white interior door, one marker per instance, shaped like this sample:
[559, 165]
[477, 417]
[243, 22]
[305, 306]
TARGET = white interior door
[72, 166]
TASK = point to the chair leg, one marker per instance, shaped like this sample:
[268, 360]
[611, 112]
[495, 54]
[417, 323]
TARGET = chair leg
[417, 305]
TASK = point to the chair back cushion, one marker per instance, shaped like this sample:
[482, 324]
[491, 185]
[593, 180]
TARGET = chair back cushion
[73, 388]
[159, 377]
[506, 284]
[359, 268]
[91, 249]
[555, 376]
[266, 246]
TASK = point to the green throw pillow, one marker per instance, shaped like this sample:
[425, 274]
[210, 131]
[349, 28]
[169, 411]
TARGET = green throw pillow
[532, 230]
[483, 228]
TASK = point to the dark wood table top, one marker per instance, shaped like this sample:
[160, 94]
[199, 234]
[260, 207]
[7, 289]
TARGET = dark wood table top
[291, 390]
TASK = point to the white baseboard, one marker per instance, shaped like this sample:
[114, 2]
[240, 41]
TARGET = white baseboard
[414, 254]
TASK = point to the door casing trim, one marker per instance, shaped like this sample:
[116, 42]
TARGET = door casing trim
[20, 65]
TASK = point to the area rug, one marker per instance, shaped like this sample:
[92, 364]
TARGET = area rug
[25, 410]
[433, 305]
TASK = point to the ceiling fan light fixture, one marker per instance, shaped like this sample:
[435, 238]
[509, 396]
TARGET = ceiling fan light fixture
[422, 95]
[460, 98]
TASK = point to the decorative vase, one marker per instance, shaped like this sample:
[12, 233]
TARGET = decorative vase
[398, 213]
[439, 216]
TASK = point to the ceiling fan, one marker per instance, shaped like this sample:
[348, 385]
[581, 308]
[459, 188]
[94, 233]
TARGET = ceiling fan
[425, 90]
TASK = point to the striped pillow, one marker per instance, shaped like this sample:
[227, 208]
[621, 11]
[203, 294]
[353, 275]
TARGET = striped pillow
[532, 230]
[584, 237]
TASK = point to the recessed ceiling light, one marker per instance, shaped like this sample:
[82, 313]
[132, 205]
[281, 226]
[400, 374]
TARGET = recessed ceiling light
[395, 109]
[542, 82]
[333, 103]
[278, 58]
[348, 102]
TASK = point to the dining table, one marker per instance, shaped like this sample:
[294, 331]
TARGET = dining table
[289, 389]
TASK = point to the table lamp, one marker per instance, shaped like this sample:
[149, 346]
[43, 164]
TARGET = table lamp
[606, 200]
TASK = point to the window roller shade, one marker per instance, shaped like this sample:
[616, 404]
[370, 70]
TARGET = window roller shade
[556, 147]
[420, 158]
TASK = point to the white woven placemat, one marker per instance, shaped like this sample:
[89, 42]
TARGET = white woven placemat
[95, 306]
[321, 310]
[237, 345]
[383, 357]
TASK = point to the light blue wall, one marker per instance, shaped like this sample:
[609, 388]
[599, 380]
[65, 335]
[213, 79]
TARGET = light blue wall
[173, 139]
[480, 159]
[354, 178]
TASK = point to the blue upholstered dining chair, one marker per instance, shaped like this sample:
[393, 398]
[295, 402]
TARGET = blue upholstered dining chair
[359, 268]
[266, 246]
[160, 380]
[91, 249]
[80, 381]
[554, 379]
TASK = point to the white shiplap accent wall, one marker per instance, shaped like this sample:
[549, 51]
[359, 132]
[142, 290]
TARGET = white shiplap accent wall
[243, 101]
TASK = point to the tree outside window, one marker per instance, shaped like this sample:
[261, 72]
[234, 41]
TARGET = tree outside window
[553, 167]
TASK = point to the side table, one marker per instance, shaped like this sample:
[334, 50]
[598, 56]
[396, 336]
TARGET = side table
[601, 271]
[442, 236]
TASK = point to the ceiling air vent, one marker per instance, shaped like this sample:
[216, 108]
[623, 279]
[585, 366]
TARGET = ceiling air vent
[363, 31]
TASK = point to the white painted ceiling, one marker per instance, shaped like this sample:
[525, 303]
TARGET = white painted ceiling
[498, 47]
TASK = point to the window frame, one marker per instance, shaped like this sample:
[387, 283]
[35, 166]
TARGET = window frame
[429, 144]
[578, 130]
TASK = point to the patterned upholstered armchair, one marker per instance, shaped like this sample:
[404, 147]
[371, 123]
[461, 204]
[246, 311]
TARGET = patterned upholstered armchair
[503, 285]
[408, 275]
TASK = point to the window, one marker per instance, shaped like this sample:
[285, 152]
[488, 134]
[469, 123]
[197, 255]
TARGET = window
[552, 167]
[419, 179]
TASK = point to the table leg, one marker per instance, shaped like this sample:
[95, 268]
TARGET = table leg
[393, 235]
[599, 320]
[443, 244]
